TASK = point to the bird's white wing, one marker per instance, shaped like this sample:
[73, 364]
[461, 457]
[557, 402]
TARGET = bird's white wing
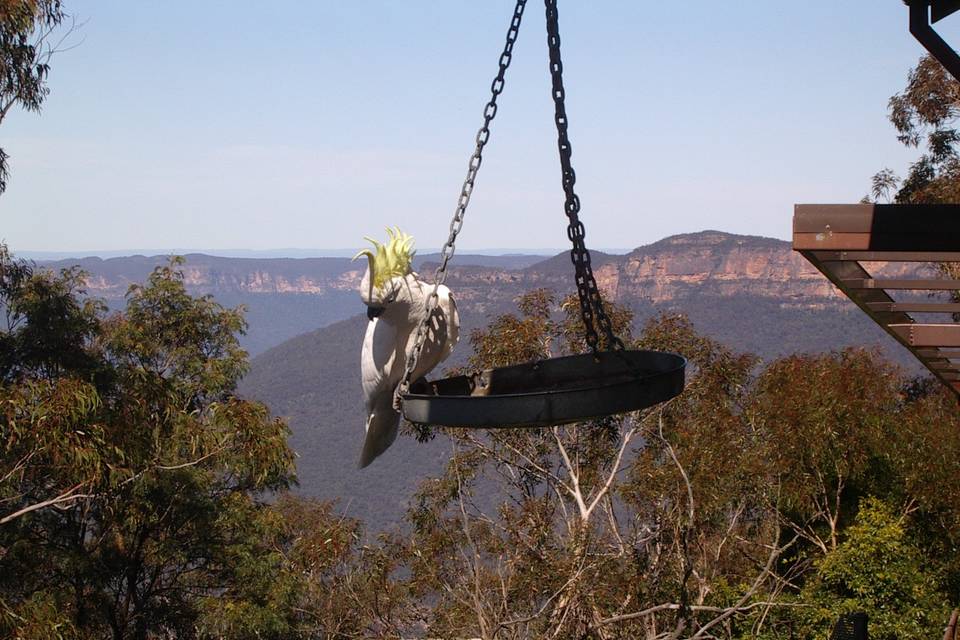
[381, 367]
[449, 307]
[381, 428]
[442, 336]
[377, 359]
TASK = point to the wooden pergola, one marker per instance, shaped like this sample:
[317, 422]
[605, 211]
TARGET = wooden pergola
[838, 239]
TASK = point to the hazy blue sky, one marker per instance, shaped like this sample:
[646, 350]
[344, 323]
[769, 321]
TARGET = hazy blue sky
[260, 125]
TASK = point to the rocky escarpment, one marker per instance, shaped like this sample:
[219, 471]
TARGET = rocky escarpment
[706, 263]
[709, 263]
[716, 263]
[205, 274]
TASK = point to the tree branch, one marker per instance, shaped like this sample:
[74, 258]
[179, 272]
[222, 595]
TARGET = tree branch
[68, 496]
[699, 608]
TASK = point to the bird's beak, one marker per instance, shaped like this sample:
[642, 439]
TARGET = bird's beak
[374, 312]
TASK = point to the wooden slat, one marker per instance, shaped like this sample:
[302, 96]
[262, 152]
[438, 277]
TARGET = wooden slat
[867, 227]
[837, 272]
[933, 284]
[944, 365]
[938, 353]
[928, 335]
[891, 256]
[905, 220]
[821, 240]
[916, 307]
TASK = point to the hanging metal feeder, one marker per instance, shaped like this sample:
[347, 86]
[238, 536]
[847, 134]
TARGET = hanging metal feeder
[549, 392]
[555, 390]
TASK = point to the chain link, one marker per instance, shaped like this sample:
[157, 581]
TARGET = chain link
[483, 136]
[591, 304]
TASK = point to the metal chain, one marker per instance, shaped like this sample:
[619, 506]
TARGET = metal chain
[591, 304]
[483, 136]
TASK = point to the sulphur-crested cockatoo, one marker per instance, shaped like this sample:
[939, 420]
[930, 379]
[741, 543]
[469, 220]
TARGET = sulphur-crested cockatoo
[396, 302]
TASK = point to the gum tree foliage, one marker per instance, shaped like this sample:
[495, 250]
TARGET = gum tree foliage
[133, 481]
[830, 422]
[26, 27]
[129, 473]
[878, 569]
[926, 461]
[304, 571]
[925, 115]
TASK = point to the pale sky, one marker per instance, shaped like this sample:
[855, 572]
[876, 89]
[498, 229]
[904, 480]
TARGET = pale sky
[229, 124]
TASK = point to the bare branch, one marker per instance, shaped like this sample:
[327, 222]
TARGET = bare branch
[192, 463]
[543, 608]
[613, 471]
[474, 566]
[19, 464]
[69, 495]
[775, 553]
[574, 478]
[700, 608]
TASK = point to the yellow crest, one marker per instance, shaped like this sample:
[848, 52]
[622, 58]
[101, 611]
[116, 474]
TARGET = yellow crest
[395, 258]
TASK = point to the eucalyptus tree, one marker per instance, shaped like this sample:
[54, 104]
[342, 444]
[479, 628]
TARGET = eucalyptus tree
[29, 38]
[131, 476]
[924, 115]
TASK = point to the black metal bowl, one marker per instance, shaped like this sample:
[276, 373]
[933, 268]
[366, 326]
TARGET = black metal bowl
[548, 392]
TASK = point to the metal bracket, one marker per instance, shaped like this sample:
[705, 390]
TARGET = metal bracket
[920, 27]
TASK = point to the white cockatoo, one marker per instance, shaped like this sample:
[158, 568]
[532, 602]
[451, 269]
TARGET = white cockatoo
[396, 302]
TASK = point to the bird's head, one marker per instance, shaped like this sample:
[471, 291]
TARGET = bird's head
[388, 265]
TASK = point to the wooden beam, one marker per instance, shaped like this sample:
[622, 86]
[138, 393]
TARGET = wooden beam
[932, 284]
[916, 307]
[828, 240]
[905, 220]
[890, 256]
[877, 227]
[928, 335]
[938, 353]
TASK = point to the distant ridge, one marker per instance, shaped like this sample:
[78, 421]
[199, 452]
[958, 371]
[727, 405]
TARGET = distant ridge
[263, 253]
[715, 238]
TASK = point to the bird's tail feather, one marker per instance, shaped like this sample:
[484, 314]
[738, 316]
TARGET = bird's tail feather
[382, 426]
